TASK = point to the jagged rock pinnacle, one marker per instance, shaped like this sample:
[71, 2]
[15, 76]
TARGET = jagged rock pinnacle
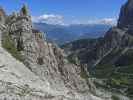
[2, 15]
[126, 15]
[2, 12]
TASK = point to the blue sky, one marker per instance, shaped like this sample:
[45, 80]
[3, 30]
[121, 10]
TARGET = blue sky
[69, 11]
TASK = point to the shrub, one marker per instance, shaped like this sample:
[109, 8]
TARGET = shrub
[40, 61]
[8, 44]
[24, 10]
[20, 45]
[115, 97]
[25, 90]
[83, 73]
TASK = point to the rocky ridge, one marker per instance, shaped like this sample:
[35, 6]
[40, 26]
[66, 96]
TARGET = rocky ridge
[35, 69]
[110, 58]
[117, 37]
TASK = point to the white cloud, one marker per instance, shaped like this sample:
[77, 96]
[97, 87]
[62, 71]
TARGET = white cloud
[49, 18]
[109, 21]
[59, 19]
[106, 21]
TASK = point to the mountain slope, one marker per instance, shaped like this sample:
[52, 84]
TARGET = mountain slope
[33, 69]
[63, 34]
[111, 58]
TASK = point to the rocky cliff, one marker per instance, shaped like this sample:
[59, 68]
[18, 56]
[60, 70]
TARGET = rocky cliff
[119, 36]
[110, 58]
[32, 68]
[125, 19]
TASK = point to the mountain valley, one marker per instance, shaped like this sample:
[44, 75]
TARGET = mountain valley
[109, 60]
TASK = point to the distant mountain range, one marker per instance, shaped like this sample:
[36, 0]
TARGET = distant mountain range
[65, 33]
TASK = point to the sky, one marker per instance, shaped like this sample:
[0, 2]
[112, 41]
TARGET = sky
[68, 11]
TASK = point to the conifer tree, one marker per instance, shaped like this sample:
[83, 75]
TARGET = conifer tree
[24, 10]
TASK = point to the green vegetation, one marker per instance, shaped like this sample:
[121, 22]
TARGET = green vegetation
[40, 61]
[115, 97]
[71, 59]
[126, 69]
[25, 90]
[103, 71]
[126, 59]
[8, 44]
[130, 40]
[83, 73]
[20, 45]
[120, 81]
[80, 44]
[25, 10]
[116, 70]
[74, 59]
[111, 56]
[130, 91]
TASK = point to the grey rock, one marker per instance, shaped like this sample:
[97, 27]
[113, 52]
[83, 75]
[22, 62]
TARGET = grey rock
[45, 73]
[2, 15]
[126, 15]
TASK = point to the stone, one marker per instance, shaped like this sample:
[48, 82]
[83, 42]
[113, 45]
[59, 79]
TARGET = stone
[45, 73]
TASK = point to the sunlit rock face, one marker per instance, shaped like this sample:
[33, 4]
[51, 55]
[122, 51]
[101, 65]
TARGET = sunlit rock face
[44, 73]
[2, 15]
[126, 15]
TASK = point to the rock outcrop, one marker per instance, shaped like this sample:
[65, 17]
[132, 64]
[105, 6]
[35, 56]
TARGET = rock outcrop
[126, 15]
[2, 15]
[44, 73]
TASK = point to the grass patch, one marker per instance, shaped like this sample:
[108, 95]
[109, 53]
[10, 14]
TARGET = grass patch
[115, 97]
[25, 90]
[8, 44]
[73, 59]
[102, 71]
[119, 81]
[83, 73]
[126, 59]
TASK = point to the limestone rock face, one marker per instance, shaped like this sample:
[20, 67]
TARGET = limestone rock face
[45, 73]
[43, 58]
